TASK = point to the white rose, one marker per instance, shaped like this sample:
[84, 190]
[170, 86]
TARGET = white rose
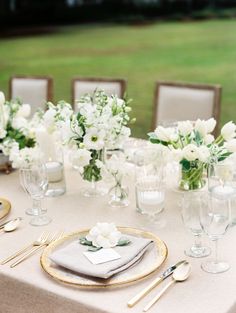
[208, 139]
[191, 152]
[24, 111]
[185, 128]
[230, 145]
[166, 134]
[228, 131]
[2, 98]
[104, 235]
[204, 153]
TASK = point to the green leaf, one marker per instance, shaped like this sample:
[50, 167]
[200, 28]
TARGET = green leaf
[123, 242]
[94, 249]
[85, 242]
[185, 165]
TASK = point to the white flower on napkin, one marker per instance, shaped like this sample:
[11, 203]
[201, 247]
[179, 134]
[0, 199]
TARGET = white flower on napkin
[104, 235]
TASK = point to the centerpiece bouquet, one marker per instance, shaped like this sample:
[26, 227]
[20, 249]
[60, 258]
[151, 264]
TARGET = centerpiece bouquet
[100, 122]
[196, 148]
[17, 141]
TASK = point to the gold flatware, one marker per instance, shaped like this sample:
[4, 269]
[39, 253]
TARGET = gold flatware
[13, 219]
[180, 274]
[49, 239]
[41, 239]
[153, 284]
[11, 226]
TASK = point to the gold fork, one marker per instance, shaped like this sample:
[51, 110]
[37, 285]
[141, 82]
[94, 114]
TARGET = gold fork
[50, 238]
[41, 239]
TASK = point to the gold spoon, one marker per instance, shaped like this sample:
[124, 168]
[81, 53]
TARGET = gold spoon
[11, 226]
[180, 274]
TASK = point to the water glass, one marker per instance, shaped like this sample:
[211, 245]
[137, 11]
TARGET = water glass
[215, 219]
[35, 182]
[192, 201]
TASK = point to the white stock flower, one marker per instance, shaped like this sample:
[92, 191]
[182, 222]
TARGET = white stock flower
[19, 122]
[24, 111]
[94, 139]
[2, 133]
[191, 152]
[104, 235]
[230, 145]
[80, 157]
[25, 156]
[2, 98]
[208, 139]
[228, 131]
[166, 134]
[185, 128]
[49, 118]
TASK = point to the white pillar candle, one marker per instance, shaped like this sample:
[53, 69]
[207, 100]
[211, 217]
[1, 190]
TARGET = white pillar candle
[54, 171]
[46, 143]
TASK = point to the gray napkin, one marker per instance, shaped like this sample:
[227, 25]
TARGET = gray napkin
[71, 257]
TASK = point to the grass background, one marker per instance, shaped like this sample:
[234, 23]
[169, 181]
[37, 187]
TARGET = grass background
[202, 52]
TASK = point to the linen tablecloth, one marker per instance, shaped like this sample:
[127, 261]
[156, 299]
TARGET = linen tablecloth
[27, 288]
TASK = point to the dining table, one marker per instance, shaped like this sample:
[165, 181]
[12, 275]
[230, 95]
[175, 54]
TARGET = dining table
[27, 288]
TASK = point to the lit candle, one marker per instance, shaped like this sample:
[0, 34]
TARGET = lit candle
[54, 171]
[222, 191]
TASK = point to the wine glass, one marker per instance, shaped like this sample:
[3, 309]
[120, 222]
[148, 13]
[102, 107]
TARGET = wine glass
[191, 204]
[215, 219]
[35, 182]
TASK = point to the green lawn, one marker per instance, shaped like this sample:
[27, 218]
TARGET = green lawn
[196, 52]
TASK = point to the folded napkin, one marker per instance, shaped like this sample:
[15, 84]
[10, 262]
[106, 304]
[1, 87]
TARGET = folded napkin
[71, 257]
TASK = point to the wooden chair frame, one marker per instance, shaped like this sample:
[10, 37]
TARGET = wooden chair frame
[49, 84]
[121, 81]
[217, 89]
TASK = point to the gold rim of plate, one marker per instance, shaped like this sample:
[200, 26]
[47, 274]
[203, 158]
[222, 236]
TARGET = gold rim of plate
[114, 281]
[6, 208]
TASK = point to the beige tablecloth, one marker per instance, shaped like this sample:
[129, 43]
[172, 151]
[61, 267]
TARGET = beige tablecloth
[27, 289]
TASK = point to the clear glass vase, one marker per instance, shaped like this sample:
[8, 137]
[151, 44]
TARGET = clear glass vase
[193, 178]
[119, 194]
[92, 174]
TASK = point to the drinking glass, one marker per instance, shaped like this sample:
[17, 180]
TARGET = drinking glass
[191, 204]
[150, 190]
[220, 179]
[215, 220]
[35, 182]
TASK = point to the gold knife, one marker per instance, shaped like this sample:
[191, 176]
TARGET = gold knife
[153, 284]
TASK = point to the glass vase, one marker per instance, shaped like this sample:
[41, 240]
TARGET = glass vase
[118, 194]
[92, 174]
[193, 178]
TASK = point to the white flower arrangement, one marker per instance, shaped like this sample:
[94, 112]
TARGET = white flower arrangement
[15, 130]
[196, 147]
[104, 235]
[101, 122]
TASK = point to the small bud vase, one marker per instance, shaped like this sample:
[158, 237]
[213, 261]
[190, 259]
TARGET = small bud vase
[92, 174]
[118, 194]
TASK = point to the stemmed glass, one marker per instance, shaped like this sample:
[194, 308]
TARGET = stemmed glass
[192, 202]
[215, 220]
[34, 180]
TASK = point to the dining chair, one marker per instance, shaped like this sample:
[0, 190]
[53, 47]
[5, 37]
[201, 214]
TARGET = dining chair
[83, 85]
[34, 90]
[177, 101]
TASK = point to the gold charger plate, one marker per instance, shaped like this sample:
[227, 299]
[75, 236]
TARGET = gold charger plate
[151, 261]
[5, 208]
